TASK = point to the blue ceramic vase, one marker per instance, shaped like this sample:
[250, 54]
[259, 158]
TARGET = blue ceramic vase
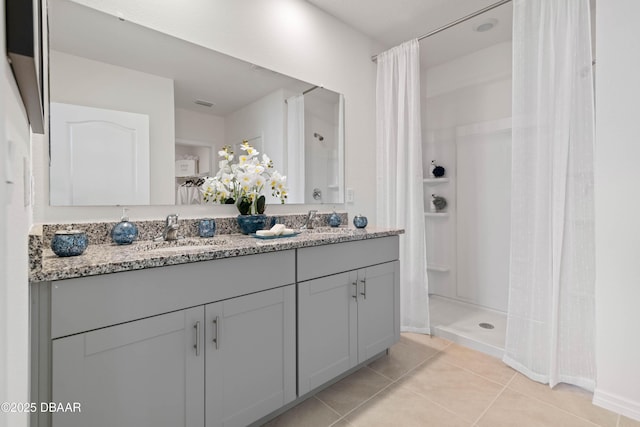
[360, 221]
[334, 220]
[124, 233]
[249, 224]
[207, 227]
[69, 243]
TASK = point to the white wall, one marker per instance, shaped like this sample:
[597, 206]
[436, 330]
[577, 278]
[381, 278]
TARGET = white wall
[195, 126]
[463, 103]
[288, 36]
[263, 119]
[81, 81]
[617, 207]
[15, 220]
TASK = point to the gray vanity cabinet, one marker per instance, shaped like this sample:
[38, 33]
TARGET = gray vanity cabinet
[345, 318]
[137, 348]
[250, 357]
[142, 373]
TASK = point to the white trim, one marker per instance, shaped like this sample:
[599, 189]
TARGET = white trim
[617, 404]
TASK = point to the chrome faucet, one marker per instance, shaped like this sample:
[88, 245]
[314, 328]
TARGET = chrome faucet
[308, 225]
[171, 227]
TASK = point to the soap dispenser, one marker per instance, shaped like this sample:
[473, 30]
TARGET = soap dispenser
[124, 232]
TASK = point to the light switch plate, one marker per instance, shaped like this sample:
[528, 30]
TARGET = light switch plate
[9, 174]
[350, 195]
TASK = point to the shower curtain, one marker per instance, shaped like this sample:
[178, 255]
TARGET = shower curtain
[295, 149]
[400, 198]
[551, 318]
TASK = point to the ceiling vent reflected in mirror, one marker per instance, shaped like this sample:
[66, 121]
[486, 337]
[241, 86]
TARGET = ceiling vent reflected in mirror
[204, 103]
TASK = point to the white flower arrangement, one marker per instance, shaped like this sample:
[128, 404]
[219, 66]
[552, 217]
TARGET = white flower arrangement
[243, 182]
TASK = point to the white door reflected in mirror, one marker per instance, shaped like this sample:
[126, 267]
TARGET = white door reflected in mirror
[98, 156]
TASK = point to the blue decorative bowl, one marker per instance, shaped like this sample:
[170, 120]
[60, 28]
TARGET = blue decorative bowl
[334, 220]
[251, 223]
[360, 221]
[124, 233]
[207, 227]
[69, 243]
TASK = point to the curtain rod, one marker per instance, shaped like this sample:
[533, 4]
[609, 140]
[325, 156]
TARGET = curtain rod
[306, 91]
[374, 58]
[310, 89]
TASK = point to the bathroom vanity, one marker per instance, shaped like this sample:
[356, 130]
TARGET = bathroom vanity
[250, 328]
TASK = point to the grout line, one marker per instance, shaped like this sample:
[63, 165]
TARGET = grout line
[477, 374]
[618, 420]
[475, 423]
[327, 405]
[554, 406]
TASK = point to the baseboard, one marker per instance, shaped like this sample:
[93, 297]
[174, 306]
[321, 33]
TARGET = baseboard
[618, 404]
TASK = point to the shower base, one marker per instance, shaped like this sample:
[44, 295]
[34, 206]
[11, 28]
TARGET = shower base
[460, 322]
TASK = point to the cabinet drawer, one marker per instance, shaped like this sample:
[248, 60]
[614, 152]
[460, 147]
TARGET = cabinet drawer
[319, 261]
[87, 303]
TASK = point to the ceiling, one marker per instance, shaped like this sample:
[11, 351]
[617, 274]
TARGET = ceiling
[391, 22]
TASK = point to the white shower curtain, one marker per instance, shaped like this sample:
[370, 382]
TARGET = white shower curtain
[551, 320]
[295, 149]
[399, 175]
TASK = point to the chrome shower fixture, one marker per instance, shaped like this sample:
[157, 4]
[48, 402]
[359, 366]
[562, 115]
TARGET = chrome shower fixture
[317, 135]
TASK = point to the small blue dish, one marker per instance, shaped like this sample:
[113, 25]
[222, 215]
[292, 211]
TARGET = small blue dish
[69, 242]
[207, 227]
[360, 221]
[334, 220]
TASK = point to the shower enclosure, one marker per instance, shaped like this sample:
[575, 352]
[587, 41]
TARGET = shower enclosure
[466, 109]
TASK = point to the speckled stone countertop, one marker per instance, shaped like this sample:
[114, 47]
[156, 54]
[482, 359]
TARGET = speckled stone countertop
[104, 258]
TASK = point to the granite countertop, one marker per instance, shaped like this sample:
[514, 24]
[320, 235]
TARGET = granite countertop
[109, 258]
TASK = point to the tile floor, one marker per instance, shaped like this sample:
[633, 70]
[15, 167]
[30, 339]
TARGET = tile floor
[429, 381]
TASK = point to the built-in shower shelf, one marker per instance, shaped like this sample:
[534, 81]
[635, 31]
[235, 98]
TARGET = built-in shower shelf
[333, 187]
[438, 268]
[436, 214]
[432, 181]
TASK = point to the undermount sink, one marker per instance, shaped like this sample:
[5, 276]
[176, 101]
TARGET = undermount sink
[184, 244]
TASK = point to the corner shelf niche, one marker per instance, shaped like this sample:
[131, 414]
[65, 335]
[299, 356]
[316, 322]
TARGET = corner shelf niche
[436, 214]
[433, 181]
[438, 268]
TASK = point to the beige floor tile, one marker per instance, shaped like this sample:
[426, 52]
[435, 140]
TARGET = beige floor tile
[462, 392]
[517, 410]
[628, 422]
[480, 363]
[351, 391]
[405, 355]
[398, 406]
[342, 423]
[570, 398]
[310, 413]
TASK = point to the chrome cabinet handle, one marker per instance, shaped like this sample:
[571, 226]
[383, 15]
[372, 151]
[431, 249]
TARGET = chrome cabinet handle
[197, 344]
[364, 288]
[215, 327]
[355, 295]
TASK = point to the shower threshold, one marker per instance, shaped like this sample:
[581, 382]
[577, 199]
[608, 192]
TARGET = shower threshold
[468, 325]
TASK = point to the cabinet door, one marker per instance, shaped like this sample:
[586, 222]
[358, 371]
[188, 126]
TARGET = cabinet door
[142, 373]
[378, 309]
[327, 336]
[250, 353]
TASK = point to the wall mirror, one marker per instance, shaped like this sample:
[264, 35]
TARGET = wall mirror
[137, 116]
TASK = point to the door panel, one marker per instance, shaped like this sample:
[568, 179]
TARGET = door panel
[327, 336]
[137, 373]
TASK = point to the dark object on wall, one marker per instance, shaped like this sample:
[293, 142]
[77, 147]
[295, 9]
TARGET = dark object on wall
[439, 202]
[24, 51]
[438, 171]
